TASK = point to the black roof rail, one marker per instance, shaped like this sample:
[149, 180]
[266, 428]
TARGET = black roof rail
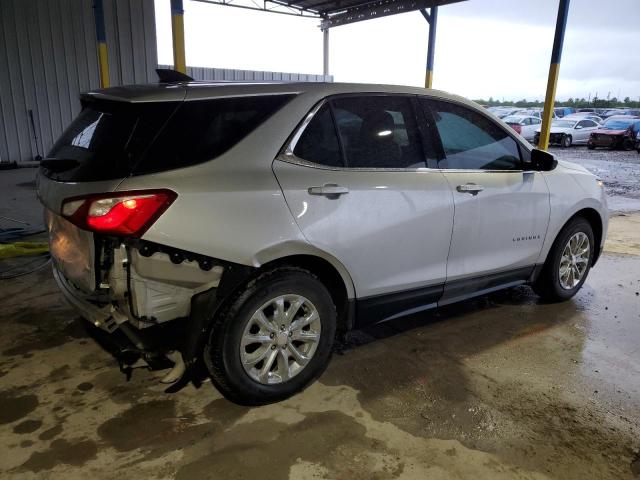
[168, 75]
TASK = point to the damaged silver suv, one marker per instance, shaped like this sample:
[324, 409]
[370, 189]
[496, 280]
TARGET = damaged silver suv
[243, 226]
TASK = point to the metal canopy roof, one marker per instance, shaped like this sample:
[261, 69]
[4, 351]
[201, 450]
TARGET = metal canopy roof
[335, 12]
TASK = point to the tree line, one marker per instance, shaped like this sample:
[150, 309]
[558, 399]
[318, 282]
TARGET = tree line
[571, 102]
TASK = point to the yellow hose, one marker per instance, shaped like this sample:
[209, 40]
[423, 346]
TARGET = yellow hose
[17, 249]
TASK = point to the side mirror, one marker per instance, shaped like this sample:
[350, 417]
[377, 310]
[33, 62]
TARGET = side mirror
[578, 127]
[542, 161]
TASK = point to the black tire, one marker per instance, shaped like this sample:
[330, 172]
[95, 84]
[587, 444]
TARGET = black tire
[627, 144]
[591, 146]
[566, 141]
[222, 352]
[547, 285]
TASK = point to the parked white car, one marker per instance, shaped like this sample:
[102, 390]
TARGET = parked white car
[584, 116]
[569, 131]
[502, 112]
[534, 112]
[525, 125]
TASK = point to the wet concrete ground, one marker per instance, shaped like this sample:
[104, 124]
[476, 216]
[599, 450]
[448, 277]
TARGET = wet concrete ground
[498, 387]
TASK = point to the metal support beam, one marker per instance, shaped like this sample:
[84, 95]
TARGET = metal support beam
[375, 9]
[325, 51]
[432, 19]
[101, 37]
[554, 70]
[177, 30]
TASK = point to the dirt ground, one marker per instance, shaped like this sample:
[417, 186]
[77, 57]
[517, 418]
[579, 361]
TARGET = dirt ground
[498, 387]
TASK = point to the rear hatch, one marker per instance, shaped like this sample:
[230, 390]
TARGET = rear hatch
[106, 143]
[114, 138]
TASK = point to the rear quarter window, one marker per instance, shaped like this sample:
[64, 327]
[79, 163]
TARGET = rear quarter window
[205, 129]
[110, 140]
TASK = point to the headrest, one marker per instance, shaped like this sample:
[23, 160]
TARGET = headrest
[378, 125]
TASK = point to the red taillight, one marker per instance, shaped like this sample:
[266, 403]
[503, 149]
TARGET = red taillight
[516, 127]
[121, 214]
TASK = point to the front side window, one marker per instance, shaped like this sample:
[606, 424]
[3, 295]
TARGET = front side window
[586, 123]
[378, 132]
[472, 141]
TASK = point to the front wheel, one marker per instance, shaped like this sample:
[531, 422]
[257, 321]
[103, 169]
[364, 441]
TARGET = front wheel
[568, 262]
[566, 141]
[274, 338]
[591, 146]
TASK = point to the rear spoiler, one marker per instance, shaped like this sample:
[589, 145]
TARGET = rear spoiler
[167, 75]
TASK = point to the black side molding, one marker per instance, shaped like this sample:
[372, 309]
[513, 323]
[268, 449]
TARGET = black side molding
[388, 306]
[380, 308]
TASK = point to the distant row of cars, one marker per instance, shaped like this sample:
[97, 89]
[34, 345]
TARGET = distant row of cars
[561, 112]
[609, 128]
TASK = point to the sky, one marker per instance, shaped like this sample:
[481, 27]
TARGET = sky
[484, 48]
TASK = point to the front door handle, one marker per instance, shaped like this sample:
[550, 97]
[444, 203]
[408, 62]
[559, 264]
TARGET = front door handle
[328, 190]
[471, 188]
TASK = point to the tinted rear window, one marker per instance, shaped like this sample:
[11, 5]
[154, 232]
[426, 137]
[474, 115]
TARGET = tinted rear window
[106, 140]
[111, 140]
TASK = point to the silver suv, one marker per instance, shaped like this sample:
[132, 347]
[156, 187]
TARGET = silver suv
[243, 226]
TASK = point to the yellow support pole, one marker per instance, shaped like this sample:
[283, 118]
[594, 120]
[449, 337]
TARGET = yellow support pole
[432, 18]
[549, 101]
[101, 37]
[103, 64]
[554, 71]
[428, 79]
[177, 29]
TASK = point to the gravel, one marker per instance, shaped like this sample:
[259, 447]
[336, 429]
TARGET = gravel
[619, 170]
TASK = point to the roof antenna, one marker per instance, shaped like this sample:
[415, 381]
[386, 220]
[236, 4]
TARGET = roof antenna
[168, 75]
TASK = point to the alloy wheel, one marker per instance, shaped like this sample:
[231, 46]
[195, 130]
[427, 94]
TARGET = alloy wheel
[574, 261]
[280, 339]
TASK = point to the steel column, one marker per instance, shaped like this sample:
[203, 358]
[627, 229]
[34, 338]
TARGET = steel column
[177, 30]
[325, 51]
[101, 37]
[432, 18]
[554, 70]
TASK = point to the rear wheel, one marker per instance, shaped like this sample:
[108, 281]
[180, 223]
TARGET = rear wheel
[274, 339]
[568, 262]
[566, 141]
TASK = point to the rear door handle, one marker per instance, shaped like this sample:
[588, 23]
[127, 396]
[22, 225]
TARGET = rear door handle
[471, 188]
[328, 190]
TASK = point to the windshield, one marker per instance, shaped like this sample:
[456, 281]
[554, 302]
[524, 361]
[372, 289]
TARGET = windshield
[617, 124]
[563, 123]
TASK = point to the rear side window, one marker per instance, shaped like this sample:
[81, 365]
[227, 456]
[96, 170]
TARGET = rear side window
[471, 140]
[319, 141]
[378, 132]
[110, 140]
[205, 129]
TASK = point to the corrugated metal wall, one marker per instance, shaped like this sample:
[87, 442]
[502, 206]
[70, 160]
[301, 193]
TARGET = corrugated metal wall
[232, 75]
[48, 57]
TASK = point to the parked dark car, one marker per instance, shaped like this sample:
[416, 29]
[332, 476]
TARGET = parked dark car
[619, 131]
[612, 112]
[562, 111]
[632, 112]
